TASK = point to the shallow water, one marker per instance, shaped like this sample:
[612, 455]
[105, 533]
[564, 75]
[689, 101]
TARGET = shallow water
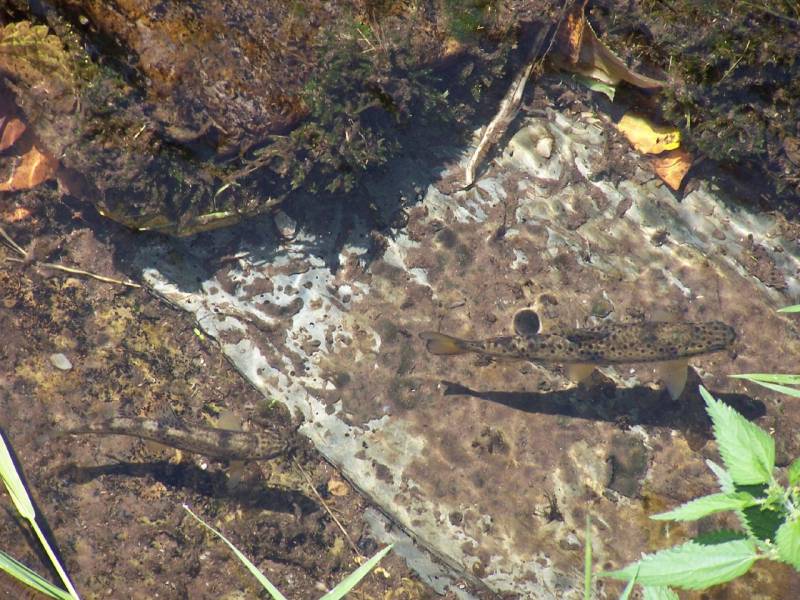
[471, 458]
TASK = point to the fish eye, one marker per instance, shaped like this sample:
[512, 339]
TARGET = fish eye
[527, 322]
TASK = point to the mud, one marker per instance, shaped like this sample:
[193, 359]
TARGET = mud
[112, 505]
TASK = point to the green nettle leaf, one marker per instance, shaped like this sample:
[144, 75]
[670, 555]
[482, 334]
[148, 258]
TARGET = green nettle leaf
[747, 450]
[723, 477]
[761, 522]
[692, 566]
[794, 472]
[788, 541]
[626, 593]
[711, 538]
[659, 593]
[707, 505]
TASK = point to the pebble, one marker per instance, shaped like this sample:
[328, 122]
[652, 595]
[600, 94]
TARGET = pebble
[60, 361]
[544, 147]
[285, 224]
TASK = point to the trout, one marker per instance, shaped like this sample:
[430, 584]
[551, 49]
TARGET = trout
[581, 349]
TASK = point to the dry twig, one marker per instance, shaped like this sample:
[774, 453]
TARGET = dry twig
[328, 510]
[26, 258]
[509, 106]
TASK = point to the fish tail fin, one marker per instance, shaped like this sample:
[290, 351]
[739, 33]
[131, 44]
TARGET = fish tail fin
[439, 343]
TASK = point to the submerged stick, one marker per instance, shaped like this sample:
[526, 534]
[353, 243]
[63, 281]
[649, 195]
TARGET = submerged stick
[509, 106]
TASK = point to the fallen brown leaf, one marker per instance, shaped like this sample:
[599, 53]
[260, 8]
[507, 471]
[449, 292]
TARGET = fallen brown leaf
[34, 168]
[672, 166]
[12, 131]
[20, 213]
[337, 487]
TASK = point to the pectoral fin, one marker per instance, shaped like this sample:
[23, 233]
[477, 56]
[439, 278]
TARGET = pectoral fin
[578, 372]
[439, 343]
[673, 374]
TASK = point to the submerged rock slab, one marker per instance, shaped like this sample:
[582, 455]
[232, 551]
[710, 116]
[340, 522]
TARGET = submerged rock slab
[493, 467]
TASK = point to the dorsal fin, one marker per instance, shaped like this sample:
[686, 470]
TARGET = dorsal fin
[527, 322]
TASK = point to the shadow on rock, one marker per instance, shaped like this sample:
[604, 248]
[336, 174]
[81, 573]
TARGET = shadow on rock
[626, 407]
[209, 484]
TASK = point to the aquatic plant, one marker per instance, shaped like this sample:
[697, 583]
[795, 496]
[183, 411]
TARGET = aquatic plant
[750, 486]
[340, 591]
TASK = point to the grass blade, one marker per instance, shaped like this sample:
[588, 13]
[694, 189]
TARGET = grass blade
[790, 309]
[16, 489]
[31, 578]
[760, 379]
[349, 582]
[22, 502]
[587, 561]
[262, 579]
[770, 378]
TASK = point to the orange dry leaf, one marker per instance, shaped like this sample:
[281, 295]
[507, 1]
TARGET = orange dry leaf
[13, 129]
[672, 166]
[20, 213]
[34, 168]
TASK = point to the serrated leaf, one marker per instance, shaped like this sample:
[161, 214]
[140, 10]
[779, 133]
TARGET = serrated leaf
[626, 593]
[711, 538]
[707, 505]
[692, 566]
[723, 477]
[747, 450]
[762, 521]
[794, 472]
[659, 593]
[788, 542]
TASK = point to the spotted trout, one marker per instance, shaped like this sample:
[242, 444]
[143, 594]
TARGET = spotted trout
[224, 444]
[671, 343]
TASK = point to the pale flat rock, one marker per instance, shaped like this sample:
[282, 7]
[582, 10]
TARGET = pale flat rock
[493, 467]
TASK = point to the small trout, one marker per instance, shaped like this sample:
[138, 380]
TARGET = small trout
[223, 444]
[607, 344]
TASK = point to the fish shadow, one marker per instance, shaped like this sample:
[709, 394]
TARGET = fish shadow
[211, 484]
[626, 407]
